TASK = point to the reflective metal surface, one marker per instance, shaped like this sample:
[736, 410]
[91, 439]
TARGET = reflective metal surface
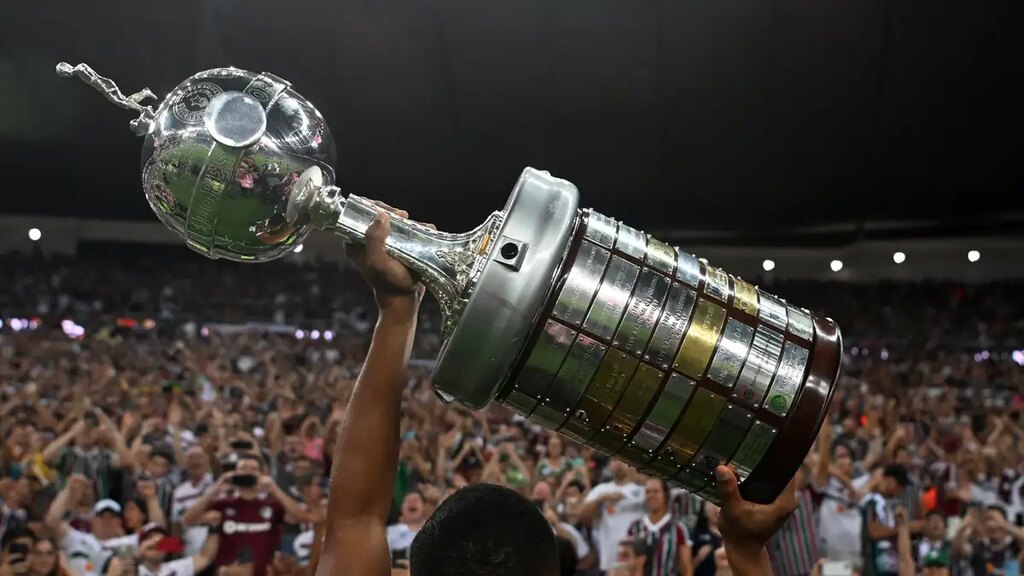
[545, 359]
[603, 394]
[762, 362]
[717, 285]
[631, 242]
[787, 379]
[700, 339]
[800, 324]
[732, 352]
[688, 269]
[582, 283]
[724, 439]
[606, 312]
[584, 357]
[666, 409]
[745, 298]
[670, 328]
[601, 229]
[773, 311]
[642, 313]
[694, 426]
[754, 445]
[661, 256]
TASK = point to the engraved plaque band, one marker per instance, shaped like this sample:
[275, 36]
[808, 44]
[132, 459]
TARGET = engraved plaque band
[787, 379]
[800, 324]
[547, 417]
[642, 313]
[731, 353]
[690, 480]
[576, 372]
[717, 285]
[745, 297]
[694, 426]
[772, 311]
[545, 359]
[631, 242]
[687, 268]
[724, 439]
[604, 392]
[752, 449]
[520, 403]
[611, 298]
[661, 256]
[757, 373]
[701, 338]
[670, 328]
[601, 229]
[584, 278]
[666, 409]
[634, 401]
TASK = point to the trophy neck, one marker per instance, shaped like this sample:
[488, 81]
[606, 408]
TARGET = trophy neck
[446, 263]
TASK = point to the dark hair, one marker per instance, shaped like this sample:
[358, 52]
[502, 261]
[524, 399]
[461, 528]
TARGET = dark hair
[15, 534]
[637, 545]
[999, 509]
[666, 489]
[899, 473]
[484, 530]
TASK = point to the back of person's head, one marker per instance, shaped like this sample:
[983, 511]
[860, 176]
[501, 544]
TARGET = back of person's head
[485, 530]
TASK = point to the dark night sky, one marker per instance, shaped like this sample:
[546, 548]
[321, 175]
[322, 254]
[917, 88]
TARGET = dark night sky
[746, 115]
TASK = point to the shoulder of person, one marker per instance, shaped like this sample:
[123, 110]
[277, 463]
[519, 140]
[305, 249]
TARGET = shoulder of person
[598, 491]
[180, 567]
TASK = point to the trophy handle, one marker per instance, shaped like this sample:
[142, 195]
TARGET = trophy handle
[141, 125]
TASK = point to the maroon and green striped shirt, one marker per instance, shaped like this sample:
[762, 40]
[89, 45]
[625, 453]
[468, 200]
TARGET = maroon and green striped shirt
[793, 550]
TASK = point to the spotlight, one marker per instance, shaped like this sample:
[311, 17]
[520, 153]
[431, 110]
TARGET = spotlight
[315, 334]
[973, 256]
[768, 265]
[328, 335]
[298, 248]
[300, 334]
[34, 234]
[836, 265]
[899, 257]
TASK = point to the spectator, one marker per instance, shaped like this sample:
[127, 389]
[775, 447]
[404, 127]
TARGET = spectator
[15, 550]
[612, 507]
[665, 538]
[989, 542]
[252, 508]
[400, 535]
[47, 560]
[840, 519]
[880, 510]
[794, 548]
[155, 545]
[706, 539]
[630, 558]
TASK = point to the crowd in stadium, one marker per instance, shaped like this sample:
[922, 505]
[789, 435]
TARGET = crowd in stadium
[179, 450]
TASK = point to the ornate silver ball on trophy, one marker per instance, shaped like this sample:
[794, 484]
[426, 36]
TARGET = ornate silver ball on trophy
[577, 322]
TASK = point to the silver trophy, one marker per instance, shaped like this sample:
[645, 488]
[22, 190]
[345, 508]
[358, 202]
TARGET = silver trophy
[575, 321]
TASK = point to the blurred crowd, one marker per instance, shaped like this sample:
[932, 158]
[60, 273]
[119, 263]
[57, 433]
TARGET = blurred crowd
[178, 451]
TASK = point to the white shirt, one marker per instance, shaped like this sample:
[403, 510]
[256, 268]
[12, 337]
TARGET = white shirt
[87, 555]
[303, 545]
[614, 518]
[400, 537]
[185, 495]
[182, 567]
[839, 521]
[579, 543]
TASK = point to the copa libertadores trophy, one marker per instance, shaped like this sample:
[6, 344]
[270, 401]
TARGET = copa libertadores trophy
[578, 322]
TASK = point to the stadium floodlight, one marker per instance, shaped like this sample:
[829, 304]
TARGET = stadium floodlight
[34, 234]
[298, 248]
[899, 257]
[973, 256]
[836, 265]
[768, 265]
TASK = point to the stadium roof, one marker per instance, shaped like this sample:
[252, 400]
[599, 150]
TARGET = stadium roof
[741, 116]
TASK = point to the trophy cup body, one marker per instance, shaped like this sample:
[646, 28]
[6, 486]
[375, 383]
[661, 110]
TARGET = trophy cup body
[577, 322]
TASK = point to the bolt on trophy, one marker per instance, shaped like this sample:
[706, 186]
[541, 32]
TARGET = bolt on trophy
[573, 320]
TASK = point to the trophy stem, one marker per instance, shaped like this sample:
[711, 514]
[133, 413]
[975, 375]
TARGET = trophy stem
[446, 263]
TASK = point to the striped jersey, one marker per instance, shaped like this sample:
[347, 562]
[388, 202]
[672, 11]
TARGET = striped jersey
[664, 539]
[793, 550]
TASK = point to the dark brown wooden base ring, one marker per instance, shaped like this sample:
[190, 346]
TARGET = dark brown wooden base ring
[794, 440]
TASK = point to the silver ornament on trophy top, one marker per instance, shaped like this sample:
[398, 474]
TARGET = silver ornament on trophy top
[577, 322]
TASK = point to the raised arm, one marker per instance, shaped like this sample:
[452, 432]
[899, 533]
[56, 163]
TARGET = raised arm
[366, 453]
[53, 449]
[746, 527]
